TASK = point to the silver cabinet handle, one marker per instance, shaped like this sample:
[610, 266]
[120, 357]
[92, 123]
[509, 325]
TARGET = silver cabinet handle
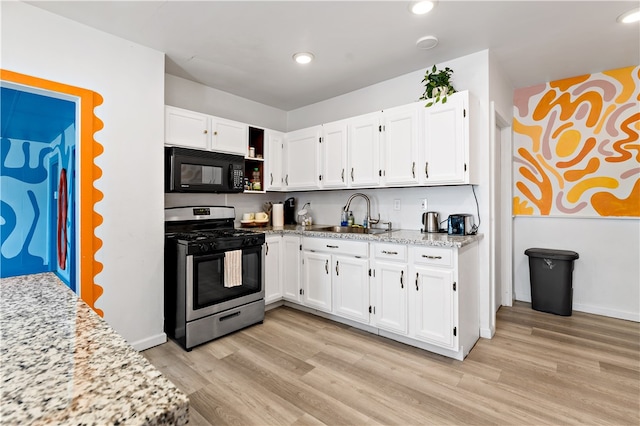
[417, 275]
[426, 169]
[431, 257]
[271, 178]
[337, 270]
[343, 175]
[286, 180]
[267, 247]
[413, 170]
[389, 252]
[401, 279]
[352, 174]
[328, 246]
[326, 266]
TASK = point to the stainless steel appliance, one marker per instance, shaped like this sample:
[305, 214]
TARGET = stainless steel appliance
[192, 170]
[460, 224]
[431, 221]
[203, 252]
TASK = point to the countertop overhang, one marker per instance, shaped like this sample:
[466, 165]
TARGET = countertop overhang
[60, 363]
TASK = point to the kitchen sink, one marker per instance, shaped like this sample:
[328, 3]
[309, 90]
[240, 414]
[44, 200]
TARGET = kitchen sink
[350, 230]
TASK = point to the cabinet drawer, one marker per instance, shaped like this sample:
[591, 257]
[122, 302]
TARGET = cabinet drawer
[336, 246]
[433, 256]
[390, 252]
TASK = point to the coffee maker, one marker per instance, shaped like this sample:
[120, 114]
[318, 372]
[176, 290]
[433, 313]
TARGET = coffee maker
[290, 211]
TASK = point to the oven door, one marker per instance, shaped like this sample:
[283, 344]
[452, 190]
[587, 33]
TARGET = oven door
[206, 291]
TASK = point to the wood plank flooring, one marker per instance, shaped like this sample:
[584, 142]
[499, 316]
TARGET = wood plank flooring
[299, 369]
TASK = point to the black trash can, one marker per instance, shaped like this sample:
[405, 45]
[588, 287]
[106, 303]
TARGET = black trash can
[551, 272]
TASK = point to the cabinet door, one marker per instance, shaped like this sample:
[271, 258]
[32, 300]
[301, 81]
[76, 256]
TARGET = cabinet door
[391, 296]
[364, 150]
[229, 136]
[351, 288]
[185, 128]
[273, 269]
[273, 160]
[334, 155]
[316, 284]
[446, 141]
[291, 268]
[301, 152]
[400, 145]
[432, 318]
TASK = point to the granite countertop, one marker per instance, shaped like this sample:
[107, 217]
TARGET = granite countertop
[60, 363]
[400, 236]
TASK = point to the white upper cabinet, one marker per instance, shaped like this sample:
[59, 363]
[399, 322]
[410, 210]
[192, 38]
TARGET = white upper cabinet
[274, 164]
[229, 136]
[192, 129]
[302, 159]
[401, 128]
[364, 150]
[446, 142]
[186, 128]
[333, 150]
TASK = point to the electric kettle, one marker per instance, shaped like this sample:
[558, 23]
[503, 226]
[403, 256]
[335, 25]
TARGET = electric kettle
[431, 222]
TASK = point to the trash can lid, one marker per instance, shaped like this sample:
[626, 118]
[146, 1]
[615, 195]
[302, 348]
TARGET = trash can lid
[551, 254]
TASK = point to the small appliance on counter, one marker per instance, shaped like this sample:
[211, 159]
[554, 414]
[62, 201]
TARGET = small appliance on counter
[431, 222]
[460, 224]
[290, 211]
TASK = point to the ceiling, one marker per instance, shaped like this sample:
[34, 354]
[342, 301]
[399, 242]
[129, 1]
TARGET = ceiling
[246, 47]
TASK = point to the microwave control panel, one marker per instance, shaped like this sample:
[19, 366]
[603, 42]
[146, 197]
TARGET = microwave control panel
[237, 177]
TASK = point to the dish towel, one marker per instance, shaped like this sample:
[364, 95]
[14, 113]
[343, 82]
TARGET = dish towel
[233, 268]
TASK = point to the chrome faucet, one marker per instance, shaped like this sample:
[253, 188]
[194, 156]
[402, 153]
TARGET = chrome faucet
[369, 219]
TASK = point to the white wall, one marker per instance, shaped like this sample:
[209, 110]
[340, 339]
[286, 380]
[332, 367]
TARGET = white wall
[606, 277]
[131, 80]
[183, 93]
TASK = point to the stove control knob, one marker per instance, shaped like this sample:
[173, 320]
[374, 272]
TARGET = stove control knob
[212, 245]
[204, 247]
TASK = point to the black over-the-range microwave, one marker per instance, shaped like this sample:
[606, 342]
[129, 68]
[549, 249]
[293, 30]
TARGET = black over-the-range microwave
[192, 170]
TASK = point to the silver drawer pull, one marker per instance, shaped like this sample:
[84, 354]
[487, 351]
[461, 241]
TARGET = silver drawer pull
[332, 246]
[389, 252]
[431, 257]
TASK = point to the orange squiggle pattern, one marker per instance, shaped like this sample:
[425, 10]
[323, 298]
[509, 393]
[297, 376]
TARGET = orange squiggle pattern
[575, 175]
[89, 173]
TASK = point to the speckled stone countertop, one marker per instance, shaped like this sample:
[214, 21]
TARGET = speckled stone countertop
[60, 363]
[400, 236]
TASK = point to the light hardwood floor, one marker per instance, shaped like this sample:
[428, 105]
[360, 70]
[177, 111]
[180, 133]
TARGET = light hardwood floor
[299, 369]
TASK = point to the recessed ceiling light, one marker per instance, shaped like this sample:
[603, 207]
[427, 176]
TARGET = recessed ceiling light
[421, 7]
[427, 42]
[303, 57]
[630, 17]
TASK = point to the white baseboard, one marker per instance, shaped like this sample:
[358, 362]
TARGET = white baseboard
[487, 333]
[149, 342]
[613, 313]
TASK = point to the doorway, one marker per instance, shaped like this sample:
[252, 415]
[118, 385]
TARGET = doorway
[81, 168]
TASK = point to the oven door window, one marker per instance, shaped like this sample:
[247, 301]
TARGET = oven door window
[208, 278]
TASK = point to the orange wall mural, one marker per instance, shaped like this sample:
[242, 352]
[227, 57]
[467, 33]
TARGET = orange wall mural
[87, 100]
[576, 146]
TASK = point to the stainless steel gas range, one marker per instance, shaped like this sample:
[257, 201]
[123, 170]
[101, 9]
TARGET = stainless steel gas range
[214, 274]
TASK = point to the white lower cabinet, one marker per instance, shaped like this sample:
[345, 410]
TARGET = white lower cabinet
[389, 287]
[336, 277]
[291, 260]
[273, 269]
[423, 296]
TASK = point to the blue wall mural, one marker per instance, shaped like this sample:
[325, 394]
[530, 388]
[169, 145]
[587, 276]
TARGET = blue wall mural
[37, 181]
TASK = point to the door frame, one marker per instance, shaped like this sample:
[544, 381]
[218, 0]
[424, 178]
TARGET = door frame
[500, 200]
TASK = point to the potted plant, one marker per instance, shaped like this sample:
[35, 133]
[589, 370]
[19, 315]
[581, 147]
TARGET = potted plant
[437, 85]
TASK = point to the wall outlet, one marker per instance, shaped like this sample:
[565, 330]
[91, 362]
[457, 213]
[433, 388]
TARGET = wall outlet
[396, 205]
[423, 204]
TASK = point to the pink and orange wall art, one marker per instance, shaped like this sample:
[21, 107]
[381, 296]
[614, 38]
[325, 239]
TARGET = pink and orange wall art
[576, 146]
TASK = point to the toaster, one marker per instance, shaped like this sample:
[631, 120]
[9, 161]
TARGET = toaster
[460, 224]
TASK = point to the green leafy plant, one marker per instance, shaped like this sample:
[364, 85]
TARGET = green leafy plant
[437, 85]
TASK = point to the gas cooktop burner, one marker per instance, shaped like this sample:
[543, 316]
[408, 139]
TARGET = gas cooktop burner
[196, 236]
